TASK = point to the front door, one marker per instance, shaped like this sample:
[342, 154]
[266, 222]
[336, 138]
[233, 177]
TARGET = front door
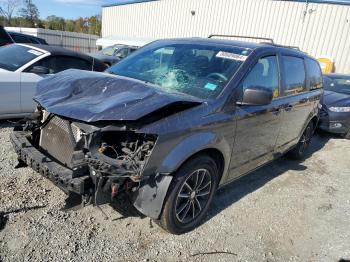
[10, 93]
[257, 126]
[28, 90]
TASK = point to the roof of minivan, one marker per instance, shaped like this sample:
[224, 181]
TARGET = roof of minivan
[242, 44]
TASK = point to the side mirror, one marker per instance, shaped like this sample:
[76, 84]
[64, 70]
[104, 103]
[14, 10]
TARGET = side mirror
[40, 70]
[257, 96]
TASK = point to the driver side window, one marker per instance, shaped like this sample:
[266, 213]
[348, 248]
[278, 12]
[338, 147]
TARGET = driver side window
[264, 74]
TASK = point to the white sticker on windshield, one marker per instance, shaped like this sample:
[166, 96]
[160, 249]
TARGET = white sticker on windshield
[34, 52]
[231, 56]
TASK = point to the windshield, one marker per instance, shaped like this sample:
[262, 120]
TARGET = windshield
[194, 69]
[12, 57]
[109, 50]
[337, 84]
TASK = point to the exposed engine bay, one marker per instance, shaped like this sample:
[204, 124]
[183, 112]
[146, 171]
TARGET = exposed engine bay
[109, 158]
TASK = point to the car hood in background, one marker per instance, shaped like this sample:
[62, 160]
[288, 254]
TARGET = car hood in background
[90, 96]
[331, 98]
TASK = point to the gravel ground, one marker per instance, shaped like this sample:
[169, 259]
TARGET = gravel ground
[286, 211]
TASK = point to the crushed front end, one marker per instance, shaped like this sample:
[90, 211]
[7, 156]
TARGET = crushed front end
[97, 162]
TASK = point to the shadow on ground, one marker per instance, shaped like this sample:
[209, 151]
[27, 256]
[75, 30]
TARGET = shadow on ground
[8, 123]
[238, 189]
[4, 215]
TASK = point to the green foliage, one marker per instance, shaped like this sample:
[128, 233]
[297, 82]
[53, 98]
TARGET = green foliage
[28, 16]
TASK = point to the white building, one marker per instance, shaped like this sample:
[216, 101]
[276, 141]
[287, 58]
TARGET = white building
[320, 28]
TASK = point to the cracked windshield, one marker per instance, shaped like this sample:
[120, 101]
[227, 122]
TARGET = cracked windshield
[197, 70]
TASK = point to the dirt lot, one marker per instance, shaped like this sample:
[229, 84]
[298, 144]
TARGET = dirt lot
[286, 211]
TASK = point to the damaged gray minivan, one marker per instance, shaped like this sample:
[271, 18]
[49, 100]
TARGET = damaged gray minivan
[168, 125]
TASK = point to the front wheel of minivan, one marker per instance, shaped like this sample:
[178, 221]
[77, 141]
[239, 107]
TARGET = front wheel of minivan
[299, 151]
[190, 195]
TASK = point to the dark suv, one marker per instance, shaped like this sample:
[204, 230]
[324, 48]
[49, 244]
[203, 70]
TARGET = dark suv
[15, 37]
[172, 122]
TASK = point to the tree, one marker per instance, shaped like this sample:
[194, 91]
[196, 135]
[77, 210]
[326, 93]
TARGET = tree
[30, 12]
[7, 9]
[55, 23]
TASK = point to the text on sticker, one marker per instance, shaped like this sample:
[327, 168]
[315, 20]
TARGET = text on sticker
[231, 56]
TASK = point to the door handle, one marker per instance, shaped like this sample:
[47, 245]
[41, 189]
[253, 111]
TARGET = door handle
[288, 108]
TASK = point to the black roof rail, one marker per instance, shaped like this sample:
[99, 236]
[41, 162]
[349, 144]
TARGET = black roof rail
[244, 36]
[286, 46]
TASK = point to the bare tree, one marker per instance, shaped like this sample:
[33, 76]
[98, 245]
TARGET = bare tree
[8, 7]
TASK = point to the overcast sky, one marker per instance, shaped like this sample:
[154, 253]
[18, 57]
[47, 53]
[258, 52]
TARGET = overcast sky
[70, 8]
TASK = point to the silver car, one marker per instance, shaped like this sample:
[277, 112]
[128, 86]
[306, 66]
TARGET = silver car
[22, 66]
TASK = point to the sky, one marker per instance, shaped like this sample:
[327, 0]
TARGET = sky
[70, 8]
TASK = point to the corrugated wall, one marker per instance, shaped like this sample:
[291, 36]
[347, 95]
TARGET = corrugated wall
[74, 41]
[319, 29]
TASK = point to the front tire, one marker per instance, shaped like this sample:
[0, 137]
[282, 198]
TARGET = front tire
[190, 195]
[298, 152]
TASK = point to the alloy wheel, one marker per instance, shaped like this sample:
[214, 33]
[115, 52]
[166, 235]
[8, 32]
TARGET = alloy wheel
[193, 196]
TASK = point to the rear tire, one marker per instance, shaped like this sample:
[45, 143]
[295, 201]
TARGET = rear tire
[298, 152]
[190, 195]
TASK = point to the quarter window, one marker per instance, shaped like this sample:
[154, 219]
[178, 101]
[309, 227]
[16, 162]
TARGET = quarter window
[314, 74]
[294, 75]
[264, 74]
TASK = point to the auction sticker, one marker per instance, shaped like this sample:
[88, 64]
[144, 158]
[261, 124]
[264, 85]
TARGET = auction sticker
[232, 56]
[34, 52]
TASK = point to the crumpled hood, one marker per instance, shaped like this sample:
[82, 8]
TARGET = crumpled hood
[91, 96]
[331, 98]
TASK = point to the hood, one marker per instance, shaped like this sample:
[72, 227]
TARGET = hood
[3, 70]
[90, 97]
[331, 98]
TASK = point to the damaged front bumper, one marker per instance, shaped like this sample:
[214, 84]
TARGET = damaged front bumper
[58, 174]
[96, 178]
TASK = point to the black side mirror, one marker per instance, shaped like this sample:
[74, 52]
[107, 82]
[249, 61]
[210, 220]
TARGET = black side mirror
[40, 70]
[256, 96]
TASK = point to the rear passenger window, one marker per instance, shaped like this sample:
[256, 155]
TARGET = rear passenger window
[66, 62]
[314, 74]
[264, 74]
[294, 75]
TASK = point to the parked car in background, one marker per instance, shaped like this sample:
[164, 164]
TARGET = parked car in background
[335, 112]
[22, 66]
[113, 54]
[171, 123]
[5, 38]
[26, 39]
[8, 37]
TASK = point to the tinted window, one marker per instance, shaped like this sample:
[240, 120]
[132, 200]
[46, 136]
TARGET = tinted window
[313, 73]
[265, 74]
[12, 57]
[4, 37]
[56, 64]
[66, 62]
[294, 75]
[20, 39]
[195, 69]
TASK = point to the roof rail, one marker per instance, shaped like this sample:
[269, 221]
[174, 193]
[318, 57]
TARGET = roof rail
[243, 36]
[286, 46]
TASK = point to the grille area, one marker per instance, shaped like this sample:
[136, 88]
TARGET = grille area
[58, 140]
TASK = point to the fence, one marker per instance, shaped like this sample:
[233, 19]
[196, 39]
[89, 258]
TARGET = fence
[85, 43]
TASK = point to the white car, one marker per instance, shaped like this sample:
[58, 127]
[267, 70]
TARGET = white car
[22, 66]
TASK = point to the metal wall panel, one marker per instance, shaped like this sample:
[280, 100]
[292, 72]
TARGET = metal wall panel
[319, 29]
[74, 41]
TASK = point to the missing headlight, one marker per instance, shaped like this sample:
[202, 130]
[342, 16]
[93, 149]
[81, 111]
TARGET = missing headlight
[127, 150]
